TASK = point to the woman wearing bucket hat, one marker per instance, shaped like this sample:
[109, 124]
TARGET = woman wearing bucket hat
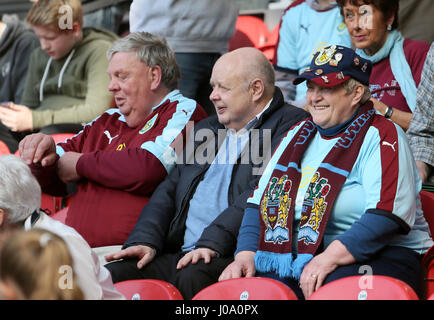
[397, 62]
[340, 191]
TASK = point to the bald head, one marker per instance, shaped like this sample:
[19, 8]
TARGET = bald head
[250, 63]
[243, 84]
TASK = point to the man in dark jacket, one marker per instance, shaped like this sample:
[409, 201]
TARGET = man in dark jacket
[187, 233]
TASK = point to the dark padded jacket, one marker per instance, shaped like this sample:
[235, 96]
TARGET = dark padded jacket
[161, 224]
[16, 45]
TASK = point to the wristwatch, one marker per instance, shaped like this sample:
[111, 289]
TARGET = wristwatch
[388, 112]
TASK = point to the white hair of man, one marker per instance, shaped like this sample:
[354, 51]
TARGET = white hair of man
[20, 193]
[152, 50]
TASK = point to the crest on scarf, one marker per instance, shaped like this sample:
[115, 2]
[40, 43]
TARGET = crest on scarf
[315, 199]
[274, 209]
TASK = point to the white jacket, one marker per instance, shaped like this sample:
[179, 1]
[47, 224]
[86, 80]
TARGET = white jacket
[94, 280]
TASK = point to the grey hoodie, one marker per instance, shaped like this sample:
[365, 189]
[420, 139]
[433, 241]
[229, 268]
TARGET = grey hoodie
[16, 44]
[188, 25]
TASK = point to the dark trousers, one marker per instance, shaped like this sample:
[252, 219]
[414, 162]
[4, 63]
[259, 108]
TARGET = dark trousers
[396, 262]
[12, 139]
[196, 69]
[189, 280]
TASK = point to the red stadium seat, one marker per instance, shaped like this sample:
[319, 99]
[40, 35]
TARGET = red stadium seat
[428, 269]
[363, 288]
[427, 200]
[250, 31]
[269, 48]
[50, 203]
[58, 137]
[148, 289]
[255, 288]
[61, 137]
[60, 215]
[4, 148]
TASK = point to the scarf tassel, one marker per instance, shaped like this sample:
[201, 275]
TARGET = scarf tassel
[299, 263]
[281, 263]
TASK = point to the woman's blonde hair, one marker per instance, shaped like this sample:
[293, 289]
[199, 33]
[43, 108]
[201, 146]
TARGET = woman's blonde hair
[51, 13]
[35, 262]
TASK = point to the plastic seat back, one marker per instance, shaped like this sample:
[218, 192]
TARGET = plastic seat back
[270, 47]
[250, 31]
[61, 137]
[148, 289]
[427, 200]
[368, 287]
[255, 288]
[4, 148]
[50, 204]
[60, 215]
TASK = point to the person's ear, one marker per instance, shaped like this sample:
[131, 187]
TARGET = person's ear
[76, 29]
[155, 75]
[358, 93]
[256, 88]
[389, 21]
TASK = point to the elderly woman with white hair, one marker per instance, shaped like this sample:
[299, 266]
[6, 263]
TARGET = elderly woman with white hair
[20, 198]
[340, 192]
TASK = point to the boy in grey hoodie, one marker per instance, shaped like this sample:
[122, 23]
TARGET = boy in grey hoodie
[67, 78]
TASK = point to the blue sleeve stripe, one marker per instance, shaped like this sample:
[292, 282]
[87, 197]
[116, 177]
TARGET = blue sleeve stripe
[59, 150]
[161, 148]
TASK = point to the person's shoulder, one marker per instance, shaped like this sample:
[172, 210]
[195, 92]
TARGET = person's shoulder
[293, 112]
[295, 4]
[96, 37]
[415, 47]
[210, 122]
[385, 128]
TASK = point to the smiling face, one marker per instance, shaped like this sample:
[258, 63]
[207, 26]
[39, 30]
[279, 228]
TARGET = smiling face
[367, 26]
[132, 85]
[330, 106]
[56, 43]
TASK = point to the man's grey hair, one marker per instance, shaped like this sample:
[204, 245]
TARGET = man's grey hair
[152, 50]
[351, 83]
[20, 193]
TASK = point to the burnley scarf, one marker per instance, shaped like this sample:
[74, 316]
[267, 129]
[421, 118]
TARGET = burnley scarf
[276, 207]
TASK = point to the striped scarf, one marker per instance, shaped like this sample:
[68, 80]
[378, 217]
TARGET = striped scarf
[277, 203]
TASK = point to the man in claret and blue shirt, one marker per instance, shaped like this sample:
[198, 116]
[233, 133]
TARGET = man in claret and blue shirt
[120, 158]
